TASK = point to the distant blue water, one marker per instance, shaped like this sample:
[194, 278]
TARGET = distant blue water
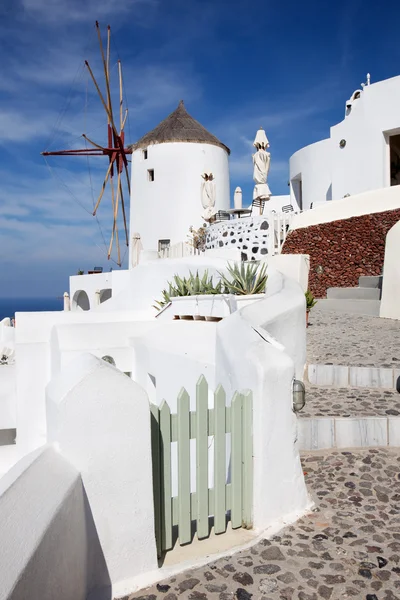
[9, 306]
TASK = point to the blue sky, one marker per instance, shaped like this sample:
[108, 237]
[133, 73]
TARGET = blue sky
[286, 66]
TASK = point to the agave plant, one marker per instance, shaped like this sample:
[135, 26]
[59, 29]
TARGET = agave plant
[310, 300]
[249, 278]
[194, 285]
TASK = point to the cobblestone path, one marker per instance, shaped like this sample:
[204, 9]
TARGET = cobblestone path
[350, 402]
[344, 339]
[348, 547]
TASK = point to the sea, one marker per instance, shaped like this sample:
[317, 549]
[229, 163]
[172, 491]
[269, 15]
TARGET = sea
[9, 306]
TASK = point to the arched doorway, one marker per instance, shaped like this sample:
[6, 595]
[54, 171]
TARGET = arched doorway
[105, 295]
[81, 300]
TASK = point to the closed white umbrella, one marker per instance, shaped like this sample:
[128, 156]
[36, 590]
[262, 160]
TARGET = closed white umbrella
[67, 302]
[208, 196]
[261, 162]
[137, 247]
[238, 198]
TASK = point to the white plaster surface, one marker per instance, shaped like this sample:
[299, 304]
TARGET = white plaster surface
[100, 420]
[45, 529]
[390, 302]
[115, 280]
[279, 487]
[379, 200]
[294, 266]
[8, 397]
[35, 361]
[329, 172]
[313, 165]
[166, 207]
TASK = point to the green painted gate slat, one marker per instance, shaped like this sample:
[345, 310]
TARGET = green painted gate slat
[202, 458]
[219, 461]
[184, 525]
[247, 445]
[199, 425]
[166, 488]
[236, 461]
[157, 480]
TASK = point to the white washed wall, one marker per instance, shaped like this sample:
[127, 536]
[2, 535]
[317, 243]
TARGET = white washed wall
[166, 207]
[100, 420]
[390, 303]
[48, 542]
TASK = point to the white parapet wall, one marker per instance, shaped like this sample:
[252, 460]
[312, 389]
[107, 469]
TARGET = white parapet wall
[88, 291]
[293, 266]
[256, 236]
[36, 363]
[262, 348]
[49, 547]
[100, 420]
[375, 201]
[390, 303]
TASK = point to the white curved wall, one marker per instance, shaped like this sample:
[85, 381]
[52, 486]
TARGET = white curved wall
[44, 552]
[390, 305]
[312, 165]
[363, 164]
[166, 207]
[362, 204]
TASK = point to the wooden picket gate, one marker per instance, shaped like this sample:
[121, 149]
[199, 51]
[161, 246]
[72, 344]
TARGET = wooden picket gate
[186, 508]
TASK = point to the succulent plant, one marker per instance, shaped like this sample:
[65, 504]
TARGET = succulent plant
[248, 278]
[194, 285]
[310, 300]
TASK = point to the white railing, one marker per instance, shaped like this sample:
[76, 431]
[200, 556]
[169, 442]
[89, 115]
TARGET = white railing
[279, 224]
[179, 250]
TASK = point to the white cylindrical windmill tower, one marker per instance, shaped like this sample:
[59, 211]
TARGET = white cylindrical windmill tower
[167, 168]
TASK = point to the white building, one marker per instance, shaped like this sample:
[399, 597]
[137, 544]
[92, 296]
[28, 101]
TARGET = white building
[167, 165]
[362, 153]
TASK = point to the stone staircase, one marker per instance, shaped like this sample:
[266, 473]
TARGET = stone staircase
[364, 299]
[350, 407]
[352, 380]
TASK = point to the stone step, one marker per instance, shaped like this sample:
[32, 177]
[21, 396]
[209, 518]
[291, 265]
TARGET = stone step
[349, 418]
[370, 281]
[353, 293]
[321, 433]
[359, 307]
[342, 376]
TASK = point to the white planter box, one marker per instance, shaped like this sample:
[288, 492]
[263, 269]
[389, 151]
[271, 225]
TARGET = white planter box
[217, 306]
[243, 301]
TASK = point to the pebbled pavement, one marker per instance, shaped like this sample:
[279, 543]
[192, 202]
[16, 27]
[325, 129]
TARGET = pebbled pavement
[348, 548]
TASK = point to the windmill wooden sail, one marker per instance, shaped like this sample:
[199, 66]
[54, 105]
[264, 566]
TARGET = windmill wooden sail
[117, 171]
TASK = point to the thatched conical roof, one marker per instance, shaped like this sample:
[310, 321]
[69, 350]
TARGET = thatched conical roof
[179, 126]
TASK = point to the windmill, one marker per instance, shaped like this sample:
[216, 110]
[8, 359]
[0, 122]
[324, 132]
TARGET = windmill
[117, 171]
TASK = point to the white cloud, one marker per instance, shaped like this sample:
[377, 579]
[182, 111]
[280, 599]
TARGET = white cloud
[77, 10]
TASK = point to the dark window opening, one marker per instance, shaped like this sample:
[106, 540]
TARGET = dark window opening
[394, 142]
[150, 173]
[145, 154]
[163, 245]
[297, 187]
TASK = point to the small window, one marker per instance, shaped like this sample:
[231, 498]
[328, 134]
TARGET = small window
[150, 174]
[163, 245]
[145, 154]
